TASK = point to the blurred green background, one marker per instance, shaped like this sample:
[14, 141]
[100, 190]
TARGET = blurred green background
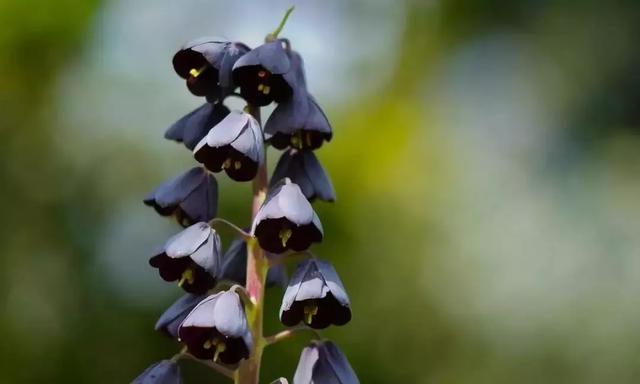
[486, 158]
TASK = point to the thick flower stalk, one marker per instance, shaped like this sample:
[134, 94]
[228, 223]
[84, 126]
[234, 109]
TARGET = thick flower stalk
[219, 321]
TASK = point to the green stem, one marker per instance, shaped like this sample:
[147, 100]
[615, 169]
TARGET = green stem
[257, 266]
[274, 35]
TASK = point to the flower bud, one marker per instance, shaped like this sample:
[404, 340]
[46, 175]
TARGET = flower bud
[323, 362]
[171, 319]
[162, 372]
[192, 257]
[191, 128]
[304, 169]
[190, 197]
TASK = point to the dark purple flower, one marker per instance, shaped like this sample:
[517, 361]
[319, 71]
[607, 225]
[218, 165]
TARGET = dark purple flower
[206, 64]
[190, 197]
[322, 362]
[192, 257]
[286, 220]
[191, 128]
[216, 329]
[261, 74]
[171, 319]
[304, 169]
[234, 266]
[315, 296]
[162, 372]
[235, 145]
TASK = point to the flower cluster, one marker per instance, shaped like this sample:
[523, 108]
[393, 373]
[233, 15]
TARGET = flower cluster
[219, 319]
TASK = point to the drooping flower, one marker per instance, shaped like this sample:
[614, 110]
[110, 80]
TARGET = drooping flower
[234, 266]
[192, 257]
[189, 197]
[206, 64]
[286, 220]
[315, 296]
[171, 319]
[195, 125]
[322, 362]
[162, 372]
[304, 169]
[260, 73]
[235, 145]
[216, 329]
[298, 121]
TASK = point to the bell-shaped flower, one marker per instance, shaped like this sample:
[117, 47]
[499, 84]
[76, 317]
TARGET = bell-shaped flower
[304, 169]
[192, 257]
[216, 329]
[234, 266]
[171, 319]
[322, 362]
[191, 128]
[206, 64]
[190, 197]
[286, 220]
[260, 73]
[315, 296]
[298, 121]
[235, 145]
[162, 372]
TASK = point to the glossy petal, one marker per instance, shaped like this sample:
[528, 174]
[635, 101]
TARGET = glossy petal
[191, 128]
[162, 372]
[171, 319]
[304, 169]
[271, 56]
[188, 241]
[322, 362]
[191, 197]
[218, 317]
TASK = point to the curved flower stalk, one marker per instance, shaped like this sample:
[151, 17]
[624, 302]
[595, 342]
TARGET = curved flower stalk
[220, 326]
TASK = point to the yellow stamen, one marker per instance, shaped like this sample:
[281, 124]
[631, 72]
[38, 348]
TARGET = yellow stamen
[285, 235]
[220, 347]
[197, 72]
[266, 89]
[237, 164]
[260, 87]
[295, 140]
[207, 344]
[310, 310]
[187, 276]
[226, 164]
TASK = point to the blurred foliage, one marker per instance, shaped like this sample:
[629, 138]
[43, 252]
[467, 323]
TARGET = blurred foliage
[397, 170]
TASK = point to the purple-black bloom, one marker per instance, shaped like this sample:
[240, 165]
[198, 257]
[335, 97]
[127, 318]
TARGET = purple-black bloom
[206, 64]
[235, 145]
[162, 372]
[216, 329]
[192, 257]
[304, 169]
[322, 362]
[190, 197]
[234, 266]
[171, 319]
[195, 125]
[260, 73]
[315, 296]
[298, 121]
[286, 220]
